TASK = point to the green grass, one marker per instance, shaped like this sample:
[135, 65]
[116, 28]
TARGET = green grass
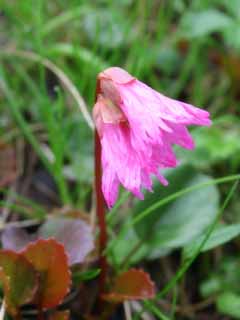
[70, 43]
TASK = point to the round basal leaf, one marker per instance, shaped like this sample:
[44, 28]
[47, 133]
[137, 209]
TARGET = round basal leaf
[16, 239]
[232, 37]
[60, 315]
[181, 220]
[75, 234]
[131, 285]
[228, 303]
[125, 245]
[20, 280]
[218, 237]
[198, 24]
[232, 7]
[49, 258]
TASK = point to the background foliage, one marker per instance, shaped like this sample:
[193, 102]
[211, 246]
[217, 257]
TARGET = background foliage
[188, 50]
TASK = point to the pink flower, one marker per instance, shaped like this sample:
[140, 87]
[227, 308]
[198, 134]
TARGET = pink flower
[137, 128]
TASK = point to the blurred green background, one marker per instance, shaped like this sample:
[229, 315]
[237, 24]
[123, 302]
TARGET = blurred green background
[188, 50]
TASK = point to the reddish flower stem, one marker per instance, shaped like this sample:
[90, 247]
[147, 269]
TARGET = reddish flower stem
[100, 209]
[40, 314]
[18, 316]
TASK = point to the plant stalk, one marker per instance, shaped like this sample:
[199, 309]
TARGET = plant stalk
[40, 315]
[100, 210]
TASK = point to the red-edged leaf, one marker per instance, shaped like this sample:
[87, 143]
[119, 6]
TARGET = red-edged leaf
[60, 315]
[49, 258]
[20, 280]
[8, 167]
[75, 234]
[131, 285]
[16, 239]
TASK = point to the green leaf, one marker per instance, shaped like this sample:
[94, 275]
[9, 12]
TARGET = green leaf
[232, 6]
[232, 35]
[86, 56]
[125, 245]
[215, 144]
[228, 303]
[80, 276]
[225, 277]
[218, 237]
[198, 24]
[80, 167]
[175, 224]
[211, 286]
[20, 280]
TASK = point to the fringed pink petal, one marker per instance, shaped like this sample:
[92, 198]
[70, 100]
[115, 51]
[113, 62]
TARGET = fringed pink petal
[138, 127]
[110, 186]
[162, 179]
[180, 136]
[118, 152]
[169, 109]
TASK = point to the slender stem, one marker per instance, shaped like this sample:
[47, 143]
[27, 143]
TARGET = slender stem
[2, 310]
[18, 316]
[100, 209]
[40, 315]
[127, 310]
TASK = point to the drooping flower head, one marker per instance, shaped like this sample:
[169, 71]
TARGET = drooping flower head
[137, 128]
